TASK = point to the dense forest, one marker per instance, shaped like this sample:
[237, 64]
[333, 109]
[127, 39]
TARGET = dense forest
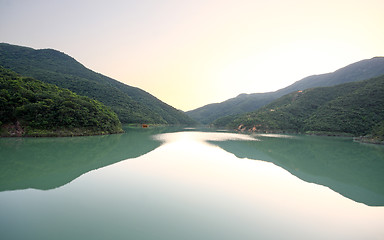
[29, 107]
[131, 104]
[355, 109]
[243, 103]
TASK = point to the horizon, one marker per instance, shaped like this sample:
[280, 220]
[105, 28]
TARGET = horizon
[192, 54]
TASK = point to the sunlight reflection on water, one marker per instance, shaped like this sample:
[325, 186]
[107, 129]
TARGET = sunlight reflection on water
[254, 196]
[273, 135]
[203, 137]
[189, 188]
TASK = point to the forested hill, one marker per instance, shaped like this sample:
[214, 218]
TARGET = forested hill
[131, 104]
[29, 107]
[355, 108]
[243, 103]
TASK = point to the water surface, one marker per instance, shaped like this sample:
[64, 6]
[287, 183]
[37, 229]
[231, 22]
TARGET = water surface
[161, 184]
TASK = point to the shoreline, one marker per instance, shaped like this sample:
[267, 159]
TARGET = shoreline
[361, 139]
[14, 131]
[369, 140]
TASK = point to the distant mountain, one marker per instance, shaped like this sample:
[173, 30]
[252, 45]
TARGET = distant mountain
[131, 104]
[243, 103]
[29, 107]
[355, 108]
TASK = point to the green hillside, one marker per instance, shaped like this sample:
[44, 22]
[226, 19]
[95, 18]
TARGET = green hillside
[29, 107]
[243, 103]
[355, 108]
[131, 104]
[240, 104]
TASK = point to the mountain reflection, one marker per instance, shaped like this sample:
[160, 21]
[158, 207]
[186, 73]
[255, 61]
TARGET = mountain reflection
[354, 170]
[47, 163]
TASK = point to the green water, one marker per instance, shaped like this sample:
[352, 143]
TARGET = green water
[354, 170]
[47, 163]
[163, 183]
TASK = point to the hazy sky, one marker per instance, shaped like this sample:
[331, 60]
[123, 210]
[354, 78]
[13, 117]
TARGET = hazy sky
[191, 53]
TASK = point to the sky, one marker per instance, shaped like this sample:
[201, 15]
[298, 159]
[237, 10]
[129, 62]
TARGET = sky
[192, 53]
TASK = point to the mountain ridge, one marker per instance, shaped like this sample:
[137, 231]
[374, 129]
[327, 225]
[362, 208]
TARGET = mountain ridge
[354, 108]
[357, 71]
[131, 104]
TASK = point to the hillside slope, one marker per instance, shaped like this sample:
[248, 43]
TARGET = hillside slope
[355, 108]
[243, 103]
[29, 107]
[131, 104]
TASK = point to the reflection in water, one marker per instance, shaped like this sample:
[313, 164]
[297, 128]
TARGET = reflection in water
[351, 169]
[189, 189]
[46, 163]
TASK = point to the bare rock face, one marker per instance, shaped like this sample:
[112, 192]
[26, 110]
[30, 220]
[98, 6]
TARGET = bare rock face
[13, 130]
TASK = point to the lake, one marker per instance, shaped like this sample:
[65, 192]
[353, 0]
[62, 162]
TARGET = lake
[170, 183]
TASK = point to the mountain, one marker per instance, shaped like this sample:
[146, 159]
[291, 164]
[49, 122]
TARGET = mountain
[240, 104]
[243, 103]
[131, 104]
[29, 107]
[355, 108]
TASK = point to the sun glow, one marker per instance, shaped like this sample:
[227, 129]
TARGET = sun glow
[284, 64]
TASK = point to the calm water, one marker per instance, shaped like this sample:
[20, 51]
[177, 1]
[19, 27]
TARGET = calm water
[161, 183]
